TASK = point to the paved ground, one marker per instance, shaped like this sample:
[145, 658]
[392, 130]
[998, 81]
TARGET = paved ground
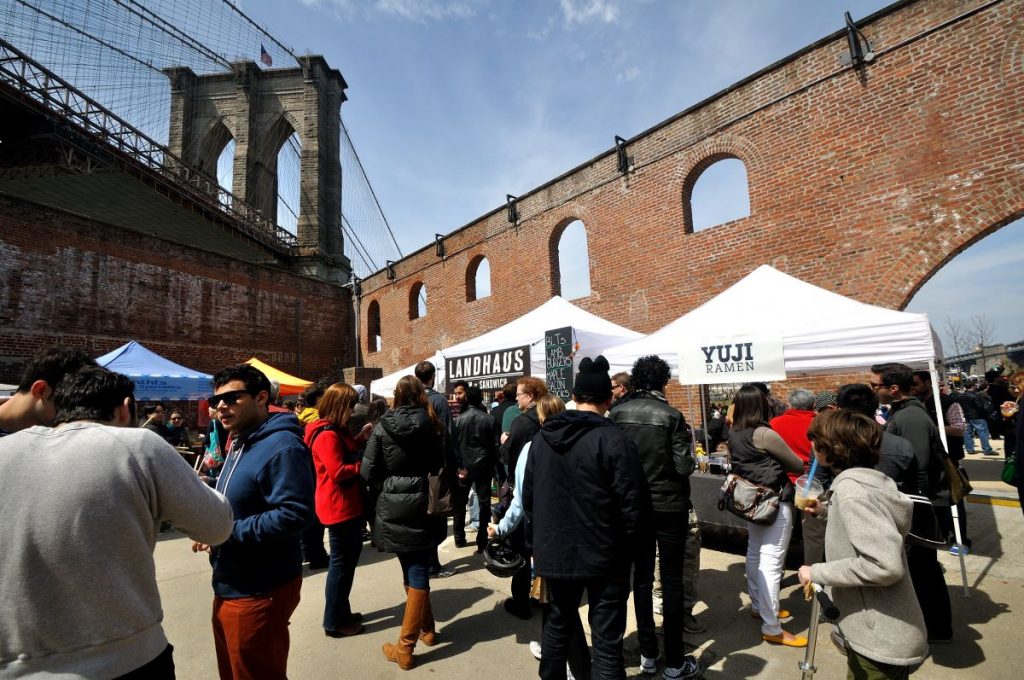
[481, 640]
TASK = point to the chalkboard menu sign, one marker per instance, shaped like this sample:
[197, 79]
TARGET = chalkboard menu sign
[558, 348]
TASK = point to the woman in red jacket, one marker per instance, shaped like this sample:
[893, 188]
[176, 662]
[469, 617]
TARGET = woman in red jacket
[339, 505]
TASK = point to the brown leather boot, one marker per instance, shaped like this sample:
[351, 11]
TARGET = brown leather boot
[401, 652]
[428, 636]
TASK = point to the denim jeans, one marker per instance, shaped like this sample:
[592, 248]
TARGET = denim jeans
[346, 539]
[669, 534]
[416, 568]
[979, 426]
[607, 598]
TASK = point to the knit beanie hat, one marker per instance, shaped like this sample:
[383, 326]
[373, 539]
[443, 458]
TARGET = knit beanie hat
[593, 379]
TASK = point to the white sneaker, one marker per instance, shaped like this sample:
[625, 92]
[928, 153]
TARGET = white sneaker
[689, 669]
[648, 665]
[535, 649]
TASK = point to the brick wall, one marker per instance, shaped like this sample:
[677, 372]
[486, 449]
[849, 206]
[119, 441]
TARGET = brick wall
[80, 283]
[864, 182]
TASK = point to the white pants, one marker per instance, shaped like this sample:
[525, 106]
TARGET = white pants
[766, 554]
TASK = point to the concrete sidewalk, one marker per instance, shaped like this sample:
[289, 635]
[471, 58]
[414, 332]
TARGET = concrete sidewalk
[479, 639]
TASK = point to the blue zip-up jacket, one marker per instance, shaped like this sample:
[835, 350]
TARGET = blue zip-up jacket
[269, 482]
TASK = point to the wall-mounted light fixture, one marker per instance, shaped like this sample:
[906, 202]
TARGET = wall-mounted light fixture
[510, 203]
[624, 161]
[860, 48]
[390, 266]
[439, 245]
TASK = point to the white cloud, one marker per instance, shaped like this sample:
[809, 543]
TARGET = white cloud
[583, 11]
[629, 75]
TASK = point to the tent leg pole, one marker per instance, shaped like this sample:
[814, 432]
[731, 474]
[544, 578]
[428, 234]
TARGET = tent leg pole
[955, 512]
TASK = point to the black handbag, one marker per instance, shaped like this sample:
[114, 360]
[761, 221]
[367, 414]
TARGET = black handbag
[749, 501]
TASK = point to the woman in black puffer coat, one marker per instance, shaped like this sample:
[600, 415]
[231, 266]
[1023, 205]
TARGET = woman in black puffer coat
[405, 446]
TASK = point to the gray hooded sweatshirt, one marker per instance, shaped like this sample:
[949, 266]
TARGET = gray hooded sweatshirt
[866, 566]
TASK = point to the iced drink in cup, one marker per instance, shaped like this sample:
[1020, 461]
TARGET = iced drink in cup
[806, 492]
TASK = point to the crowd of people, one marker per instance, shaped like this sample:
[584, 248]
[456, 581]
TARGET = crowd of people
[593, 498]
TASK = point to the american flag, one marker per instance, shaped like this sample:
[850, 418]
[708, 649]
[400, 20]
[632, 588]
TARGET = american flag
[265, 56]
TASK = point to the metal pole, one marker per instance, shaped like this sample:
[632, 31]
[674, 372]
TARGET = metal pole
[941, 421]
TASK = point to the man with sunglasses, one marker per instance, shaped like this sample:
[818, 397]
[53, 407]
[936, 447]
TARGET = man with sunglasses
[257, 572]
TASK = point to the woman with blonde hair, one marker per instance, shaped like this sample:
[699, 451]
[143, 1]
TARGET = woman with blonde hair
[339, 503]
[406, 446]
[865, 562]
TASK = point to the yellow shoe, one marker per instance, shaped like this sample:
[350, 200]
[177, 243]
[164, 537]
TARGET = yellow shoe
[785, 639]
[783, 614]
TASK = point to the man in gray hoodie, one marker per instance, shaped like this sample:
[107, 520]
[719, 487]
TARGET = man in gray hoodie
[82, 505]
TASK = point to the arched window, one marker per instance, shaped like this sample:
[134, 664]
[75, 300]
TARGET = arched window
[418, 301]
[373, 343]
[478, 279]
[286, 183]
[226, 168]
[715, 193]
[571, 262]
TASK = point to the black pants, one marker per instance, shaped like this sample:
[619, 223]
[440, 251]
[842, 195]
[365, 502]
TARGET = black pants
[523, 578]
[160, 668]
[669, 533]
[563, 628]
[930, 588]
[481, 482]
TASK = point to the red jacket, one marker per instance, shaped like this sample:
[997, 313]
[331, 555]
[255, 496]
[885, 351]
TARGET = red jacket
[792, 426]
[337, 472]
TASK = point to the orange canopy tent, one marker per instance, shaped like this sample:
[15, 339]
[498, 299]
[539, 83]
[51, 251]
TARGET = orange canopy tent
[289, 383]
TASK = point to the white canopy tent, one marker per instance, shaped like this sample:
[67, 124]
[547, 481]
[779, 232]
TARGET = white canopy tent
[385, 386]
[593, 334]
[821, 331]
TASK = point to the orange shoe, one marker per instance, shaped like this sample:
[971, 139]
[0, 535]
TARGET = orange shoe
[783, 614]
[786, 639]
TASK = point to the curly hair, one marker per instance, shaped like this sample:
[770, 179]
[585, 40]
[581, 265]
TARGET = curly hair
[650, 373]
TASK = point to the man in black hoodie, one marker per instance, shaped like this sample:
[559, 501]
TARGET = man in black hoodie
[586, 499]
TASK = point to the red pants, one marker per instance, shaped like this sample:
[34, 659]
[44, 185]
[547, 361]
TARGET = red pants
[251, 633]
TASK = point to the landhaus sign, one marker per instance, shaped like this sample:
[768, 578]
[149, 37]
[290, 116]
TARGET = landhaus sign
[732, 360]
[488, 370]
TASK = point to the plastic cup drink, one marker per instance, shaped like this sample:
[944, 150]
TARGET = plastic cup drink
[807, 492]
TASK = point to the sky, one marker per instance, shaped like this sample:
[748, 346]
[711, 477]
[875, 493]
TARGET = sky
[452, 104]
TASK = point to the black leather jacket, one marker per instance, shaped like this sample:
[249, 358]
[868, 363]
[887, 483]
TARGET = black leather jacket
[663, 440]
[475, 429]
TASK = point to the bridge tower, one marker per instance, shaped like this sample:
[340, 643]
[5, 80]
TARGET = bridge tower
[259, 110]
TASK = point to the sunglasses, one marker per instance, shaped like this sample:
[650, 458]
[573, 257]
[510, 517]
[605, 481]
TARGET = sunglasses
[229, 398]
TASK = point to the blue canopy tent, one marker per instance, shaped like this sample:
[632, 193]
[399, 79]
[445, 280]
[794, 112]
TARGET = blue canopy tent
[156, 378]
